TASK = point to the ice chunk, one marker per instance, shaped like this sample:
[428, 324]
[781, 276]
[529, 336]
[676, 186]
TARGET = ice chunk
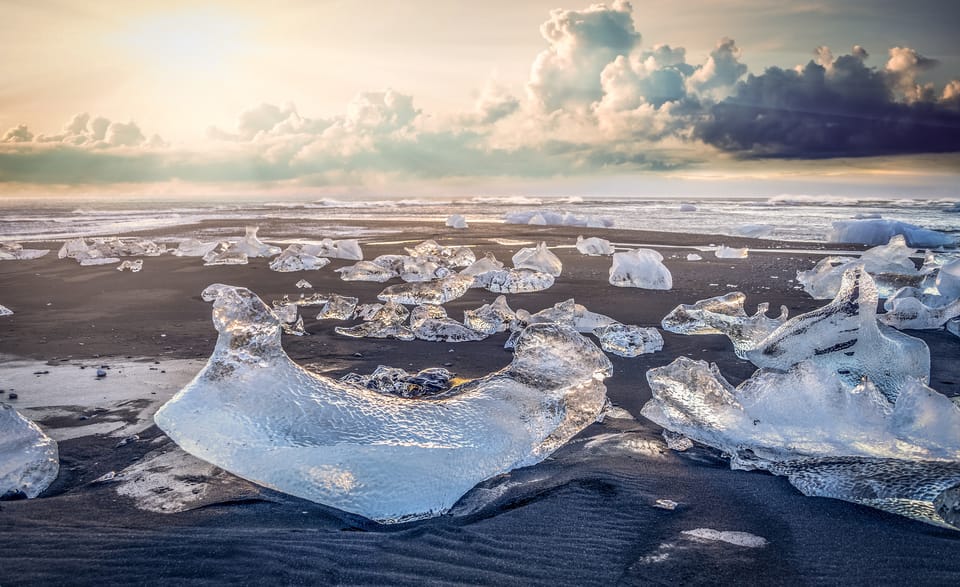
[516, 281]
[133, 266]
[879, 231]
[490, 318]
[446, 256]
[538, 258]
[823, 281]
[397, 382]
[29, 460]
[694, 257]
[570, 313]
[725, 315]
[5, 311]
[16, 252]
[104, 250]
[488, 263]
[381, 321]
[366, 271]
[192, 247]
[641, 268]
[338, 307]
[744, 539]
[456, 221]
[348, 249]
[594, 246]
[688, 208]
[295, 328]
[294, 258]
[251, 245]
[255, 413]
[725, 252]
[93, 261]
[430, 322]
[304, 284]
[628, 340]
[948, 279]
[892, 257]
[225, 255]
[415, 269]
[927, 313]
[890, 265]
[754, 230]
[431, 292]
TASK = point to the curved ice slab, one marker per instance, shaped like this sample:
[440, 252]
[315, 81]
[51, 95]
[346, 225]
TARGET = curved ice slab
[641, 268]
[725, 315]
[29, 460]
[257, 414]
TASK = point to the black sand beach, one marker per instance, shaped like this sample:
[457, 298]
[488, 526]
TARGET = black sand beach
[584, 516]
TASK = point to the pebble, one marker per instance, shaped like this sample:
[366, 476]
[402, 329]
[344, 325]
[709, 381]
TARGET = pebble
[12, 395]
[101, 373]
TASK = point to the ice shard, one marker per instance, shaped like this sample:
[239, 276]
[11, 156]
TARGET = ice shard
[5, 311]
[192, 247]
[414, 269]
[594, 246]
[725, 315]
[490, 318]
[16, 252]
[304, 284]
[570, 313]
[225, 254]
[538, 258]
[516, 281]
[450, 257]
[29, 459]
[132, 266]
[430, 322]
[294, 258]
[430, 292]
[366, 271]
[725, 252]
[255, 413]
[251, 245]
[456, 221]
[627, 340]
[642, 268]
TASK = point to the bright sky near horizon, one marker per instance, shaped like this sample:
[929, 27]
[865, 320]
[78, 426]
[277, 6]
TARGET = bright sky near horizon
[318, 96]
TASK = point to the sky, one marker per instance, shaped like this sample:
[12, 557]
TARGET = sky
[308, 98]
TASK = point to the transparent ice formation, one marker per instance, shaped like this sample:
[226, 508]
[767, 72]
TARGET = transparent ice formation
[29, 459]
[449, 257]
[570, 313]
[337, 307]
[192, 247]
[380, 321]
[132, 266]
[397, 382]
[878, 231]
[809, 412]
[754, 230]
[294, 258]
[16, 252]
[456, 221]
[348, 249]
[304, 284]
[911, 309]
[889, 264]
[430, 322]
[725, 315]
[490, 318]
[255, 413]
[251, 245]
[225, 255]
[430, 292]
[725, 252]
[414, 269]
[366, 271]
[538, 258]
[594, 246]
[694, 257]
[5, 311]
[511, 281]
[641, 268]
[483, 270]
[627, 340]
[102, 248]
[948, 279]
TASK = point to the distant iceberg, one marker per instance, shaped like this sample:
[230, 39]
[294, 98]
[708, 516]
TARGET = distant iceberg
[878, 231]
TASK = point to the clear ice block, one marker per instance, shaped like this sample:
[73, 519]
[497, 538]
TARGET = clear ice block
[29, 459]
[490, 318]
[294, 258]
[594, 246]
[627, 340]
[430, 292]
[511, 281]
[132, 266]
[725, 252]
[366, 271]
[725, 315]
[430, 322]
[538, 258]
[642, 268]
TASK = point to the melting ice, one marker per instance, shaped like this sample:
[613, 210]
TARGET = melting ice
[29, 459]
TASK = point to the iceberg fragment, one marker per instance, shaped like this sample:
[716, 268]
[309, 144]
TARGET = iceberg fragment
[225, 255]
[878, 231]
[366, 271]
[538, 258]
[642, 268]
[511, 281]
[304, 284]
[294, 258]
[919, 312]
[953, 326]
[413, 269]
[627, 340]
[725, 315]
[445, 256]
[570, 313]
[132, 266]
[889, 264]
[16, 252]
[725, 252]
[338, 307]
[251, 245]
[380, 321]
[694, 257]
[104, 250]
[29, 459]
[192, 247]
[430, 292]
[594, 246]
[456, 221]
[430, 322]
[687, 207]
[948, 279]
[490, 318]
[5, 311]
[255, 413]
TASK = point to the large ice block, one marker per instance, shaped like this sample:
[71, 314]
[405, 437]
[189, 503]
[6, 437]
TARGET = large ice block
[878, 231]
[725, 315]
[255, 413]
[192, 247]
[538, 258]
[450, 257]
[430, 292]
[29, 459]
[918, 311]
[641, 268]
[890, 265]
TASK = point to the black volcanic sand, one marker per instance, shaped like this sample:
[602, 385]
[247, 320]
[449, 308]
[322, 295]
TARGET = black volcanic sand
[583, 516]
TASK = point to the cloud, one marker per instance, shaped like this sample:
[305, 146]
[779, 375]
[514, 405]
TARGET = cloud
[18, 134]
[721, 71]
[841, 108]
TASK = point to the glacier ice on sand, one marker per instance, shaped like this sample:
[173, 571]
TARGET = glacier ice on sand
[641, 268]
[538, 258]
[16, 252]
[29, 459]
[428, 292]
[255, 413]
[295, 258]
[594, 246]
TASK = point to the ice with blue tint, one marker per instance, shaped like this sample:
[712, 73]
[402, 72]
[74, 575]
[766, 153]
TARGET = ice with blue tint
[456, 221]
[877, 231]
[257, 414]
[909, 308]
[29, 459]
[642, 268]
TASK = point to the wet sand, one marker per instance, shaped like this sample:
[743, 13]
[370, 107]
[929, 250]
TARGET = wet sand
[584, 516]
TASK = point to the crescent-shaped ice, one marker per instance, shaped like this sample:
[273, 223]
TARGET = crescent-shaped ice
[257, 414]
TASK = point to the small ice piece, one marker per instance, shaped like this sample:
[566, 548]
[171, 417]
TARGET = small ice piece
[93, 261]
[627, 340]
[641, 268]
[296, 328]
[754, 230]
[252, 246]
[397, 382]
[304, 284]
[257, 414]
[192, 247]
[948, 279]
[725, 315]
[483, 270]
[538, 258]
[879, 231]
[29, 459]
[225, 255]
[744, 539]
[594, 246]
[430, 322]
[382, 321]
[511, 281]
[338, 307]
[5, 311]
[431, 292]
[725, 252]
[687, 207]
[449, 257]
[456, 221]
[16, 252]
[293, 258]
[694, 257]
[490, 318]
[665, 504]
[416, 269]
[366, 271]
[343, 249]
[911, 313]
[133, 266]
